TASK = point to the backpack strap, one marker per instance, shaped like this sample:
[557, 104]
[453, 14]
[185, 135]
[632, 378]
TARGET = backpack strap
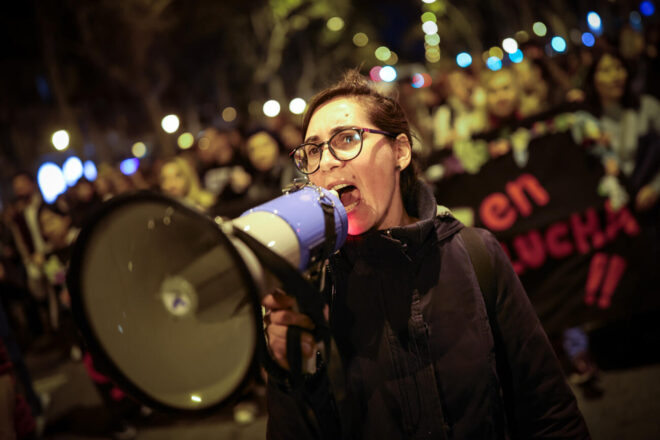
[483, 268]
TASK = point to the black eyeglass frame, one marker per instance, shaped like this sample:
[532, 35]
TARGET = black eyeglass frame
[360, 131]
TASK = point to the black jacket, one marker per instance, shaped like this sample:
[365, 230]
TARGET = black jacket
[417, 351]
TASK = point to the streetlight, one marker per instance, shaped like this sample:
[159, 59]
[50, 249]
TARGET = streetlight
[170, 123]
[60, 140]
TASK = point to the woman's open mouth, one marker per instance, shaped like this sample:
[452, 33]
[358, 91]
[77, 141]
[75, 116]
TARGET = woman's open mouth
[349, 196]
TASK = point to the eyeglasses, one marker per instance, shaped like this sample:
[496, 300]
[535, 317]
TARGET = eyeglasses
[344, 145]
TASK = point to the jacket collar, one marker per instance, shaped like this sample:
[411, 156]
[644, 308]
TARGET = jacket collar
[409, 238]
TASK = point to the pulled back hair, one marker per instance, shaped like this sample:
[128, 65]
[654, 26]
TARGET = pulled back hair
[384, 112]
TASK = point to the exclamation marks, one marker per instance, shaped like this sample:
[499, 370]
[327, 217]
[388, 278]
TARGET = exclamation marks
[605, 272]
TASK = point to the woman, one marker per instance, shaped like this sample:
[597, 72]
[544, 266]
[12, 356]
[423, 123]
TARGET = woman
[631, 125]
[405, 309]
[178, 179]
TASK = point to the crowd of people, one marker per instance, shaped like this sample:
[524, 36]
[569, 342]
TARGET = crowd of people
[230, 170]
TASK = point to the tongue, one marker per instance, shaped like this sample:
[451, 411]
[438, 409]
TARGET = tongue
[350, 196]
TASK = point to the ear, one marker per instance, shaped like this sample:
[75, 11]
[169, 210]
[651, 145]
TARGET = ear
[402, 151]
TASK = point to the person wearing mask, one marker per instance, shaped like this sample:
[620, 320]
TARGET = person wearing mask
[425, 352]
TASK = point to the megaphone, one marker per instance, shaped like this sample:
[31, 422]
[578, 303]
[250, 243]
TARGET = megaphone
[168, 299]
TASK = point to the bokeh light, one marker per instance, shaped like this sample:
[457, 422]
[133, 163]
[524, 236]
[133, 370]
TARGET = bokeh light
[374, 73]
[129, 166]
[429, 16]
[432, 39]
[271, 108]
[417, 81]
[229, 114]
[496, 52]
[509, 45]
[588, 39]
[647, 8]
[558, 44]
[516, 57]
[297, 106]
[60, 140]
[170, 123]
[89, 170]
[72, 170]
[360, 39]
[594, 21]
[393, 59]
[463, 59]
[185, 140]
[139, 149]
[387, 73]
[430, 27]
[539, 29]
[428, 1]
[383, 53]
[522, 36]
[335, 24]
[51, 181]
[494, 63]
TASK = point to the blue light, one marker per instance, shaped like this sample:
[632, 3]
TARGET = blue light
[558, 44]
[647, 8]
[594, 21]
[73, 170]
[516, 57]
[463, 59]
[635, 20]
[51, 181]
[89, 170]
[418, 81]
[494, 63]
[588, 39]
[129, 166]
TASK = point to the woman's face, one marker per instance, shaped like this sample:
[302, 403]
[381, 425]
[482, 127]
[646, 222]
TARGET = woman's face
[610, 78]
[173, 181]
[369, 184]
[262, 151]
[54, 226]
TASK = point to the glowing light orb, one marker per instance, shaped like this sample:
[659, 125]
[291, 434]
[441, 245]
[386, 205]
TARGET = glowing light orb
[229, 114]
[335, 24]
[374, 73]
[463, 59]
[539, 29]
[510, 45]
[60, 140]
[430, 27]
[588, 39]
[185, 140]
[387, 73]
[72, 170]
[516, 57]
[51, 181]
[360, 39]
[383, 53]
[139, 149]
[494, 64]
[429, 16]
[129, 166]
[297, 106]
[271, 108]
[594, 21]
[647, 8]
[89, 170]
[558, 44]
[170, 123]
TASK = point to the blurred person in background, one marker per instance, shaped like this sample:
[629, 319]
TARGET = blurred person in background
[269, 165]
[84, 201]
[631, 126]
[178, 179]
[217, 159]
[533, 88]
[463, 113]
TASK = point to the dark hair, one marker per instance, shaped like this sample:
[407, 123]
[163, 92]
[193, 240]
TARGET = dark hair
[628, 100]
[384, 112]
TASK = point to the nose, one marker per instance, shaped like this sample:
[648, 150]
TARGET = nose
[328, 160]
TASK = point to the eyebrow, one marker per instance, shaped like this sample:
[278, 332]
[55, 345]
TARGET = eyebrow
[335, 130]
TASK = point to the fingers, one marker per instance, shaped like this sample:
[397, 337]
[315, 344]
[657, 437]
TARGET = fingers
[277, 343]
[278, 300]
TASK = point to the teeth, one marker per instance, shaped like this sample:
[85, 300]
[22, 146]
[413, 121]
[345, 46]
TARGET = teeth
[350, 207]
[339, 187]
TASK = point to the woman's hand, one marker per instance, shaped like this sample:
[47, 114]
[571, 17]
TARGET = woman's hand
[281, 312]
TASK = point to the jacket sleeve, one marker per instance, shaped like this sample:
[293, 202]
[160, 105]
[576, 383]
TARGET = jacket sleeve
[309, 413]
[544, 406]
